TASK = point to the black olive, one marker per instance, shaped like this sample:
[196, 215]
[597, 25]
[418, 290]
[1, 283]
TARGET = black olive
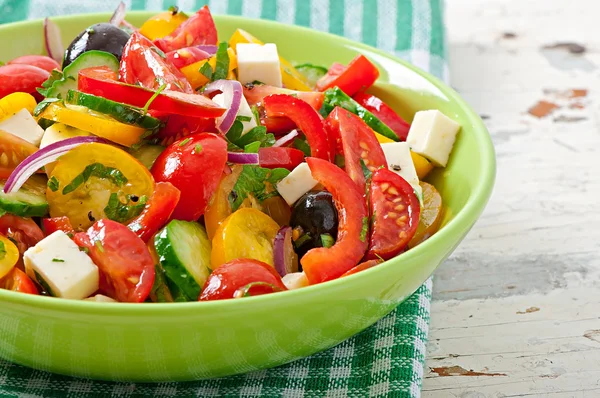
[313, 215]
[101, 36]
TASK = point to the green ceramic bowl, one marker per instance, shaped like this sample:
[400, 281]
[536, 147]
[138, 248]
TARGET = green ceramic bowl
[186, 341]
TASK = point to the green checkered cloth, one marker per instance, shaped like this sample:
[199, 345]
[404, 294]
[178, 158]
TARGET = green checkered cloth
[385, 360]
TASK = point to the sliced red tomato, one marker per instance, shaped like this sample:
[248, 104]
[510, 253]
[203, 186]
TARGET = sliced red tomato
[277, 125]
[51, 225]
[186, 56]
[395, 210]
[305, 117]
[324, 264]
[384, 113]
[157, 212]
[145, 65]
[194, 165]
[274, 157]
[18, 281]
[23, 78]
[13, 150]
[179, 126]
[196, 30]
[363, 266]
[359, 75]
[358, 143]
[240, 278]
[41, 61]
[24, 231]
[125, 264]
[256, 93]
[102, 82]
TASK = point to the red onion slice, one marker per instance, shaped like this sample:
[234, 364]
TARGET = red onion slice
[283, 252]
[129, 26]
[53, 41]
[208, 48]
[232, 94]
[286, 139]
[242, 158]
[39, 159]
[119, 15]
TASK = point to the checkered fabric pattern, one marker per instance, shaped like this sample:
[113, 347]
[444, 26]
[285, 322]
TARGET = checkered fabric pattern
[385, 360]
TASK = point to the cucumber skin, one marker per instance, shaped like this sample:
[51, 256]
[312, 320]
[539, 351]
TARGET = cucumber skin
[160, 292]
[21, 208]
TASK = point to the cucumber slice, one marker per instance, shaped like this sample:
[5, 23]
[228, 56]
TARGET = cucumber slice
[183, 250]
[147, 154]
[311, 72]
[122, 112]
[160, 291]
[70, 76]
[29, 201]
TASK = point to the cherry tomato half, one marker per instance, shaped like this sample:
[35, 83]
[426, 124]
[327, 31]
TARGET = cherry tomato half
[23, 230]
[256, 93]
[431, 215]
[274, 157]
[125, 264]
[179, 126]
[219, 207]
[19, 77]
[9, 256]
[194, 165]
[18, 281]
[157, 212]
[239, 278]
[363, 266]
[196, 30]
[395, 210]
[52, 225]
[359, 75]
[13, 150]
[384, 113]
[41, 61]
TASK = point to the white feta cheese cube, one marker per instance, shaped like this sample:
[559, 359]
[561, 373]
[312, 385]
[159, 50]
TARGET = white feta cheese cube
[58, 264]
[24, 126]
[295, 280]
[258, 62]
[397, 155]
[432, 136]
[99, 298]
[243, 111]
[296, 184]
[58, 132]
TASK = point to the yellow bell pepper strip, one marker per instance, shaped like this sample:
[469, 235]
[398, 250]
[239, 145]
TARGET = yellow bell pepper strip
[163, 24]
[14, 102]
[197, 79]
[96, 123]
[291, 78]
[422, 165]
[9, 255]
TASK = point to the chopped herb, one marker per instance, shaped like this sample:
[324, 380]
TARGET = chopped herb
[198, 148]
[379, 257]
[234, 133]
[121, 212]
[243, 118]
[303, 146]
[53, 184]
[84, 249]
[151, 100]
[2, 250]
[58, 260]
[91, 31]
[254, 110]
[43, 105]
[159, 52]
[70, 235]
[96, 170]
[206, 70]
[257, 182]
[182, 143]
[222, 64]
[257, 134]
[252, 148]
[327, 240]
[367, 173]
[293, 95]
[143, 140]
[302, 239]
[365, 229]
[98, 244]
[256, 82]
[339, 161]
[173, 10]
[42, 282]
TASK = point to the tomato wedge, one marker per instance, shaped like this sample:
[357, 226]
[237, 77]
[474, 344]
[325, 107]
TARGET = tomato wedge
[384, 113]
[358, 143]
[179, 126]
[240, 278]
[196, 30]
[145, 65]
[102, 81]
[13, 150]
[186, 56]
[395, 210]
[363, 266]
[273, 157]
[323, 264]
[194, 165]
[51, 225]
[359, 75]
[256, 93]
[305, 117]
[18, 281]
[157, 212]
[125, 264]
[23, 230]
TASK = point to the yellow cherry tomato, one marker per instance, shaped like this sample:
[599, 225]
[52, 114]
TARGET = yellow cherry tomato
[96, 123]
[14, 102]
[9, 256]
[95, 181]
[431, 215]
[422, 165]
[163, 24]
[219, 208]
[197, 79]
[290, 77]
[247, 233]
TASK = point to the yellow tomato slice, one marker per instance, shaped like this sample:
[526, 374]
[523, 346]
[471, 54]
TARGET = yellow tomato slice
[247, 233]
[431, 215]
[290, 77]
[96, 123]
[14, 102]
[86, 199]
[422, 165]
[219, 208]
[9, 256]
[162, 24]
[197, 79]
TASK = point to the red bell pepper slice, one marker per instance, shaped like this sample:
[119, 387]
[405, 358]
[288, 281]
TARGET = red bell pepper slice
[102, 82]
[157, 212]
[305, 117]
[196, 30]
[274, 157]
[54, 224]
[384, 113]
[359, 75]
[324, 264]
[145, 65]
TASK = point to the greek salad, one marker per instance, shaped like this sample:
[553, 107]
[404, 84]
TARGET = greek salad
[169, 164]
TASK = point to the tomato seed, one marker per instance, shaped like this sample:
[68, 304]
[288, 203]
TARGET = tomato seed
[399, 207]
[4, 159]
[402, 234]
[364, 154]
[398, 199]
[384, 186]
[364, 146]
[393, 191]
[391, 214]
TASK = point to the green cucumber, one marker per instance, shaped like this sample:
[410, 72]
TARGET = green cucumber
[160, 292]
[147, 154]
[311, 72]
[122, 112]
[29, 201]
[336, 97]
[70, 74]
[183, 250]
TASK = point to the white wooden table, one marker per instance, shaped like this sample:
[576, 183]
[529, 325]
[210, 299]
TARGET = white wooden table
[516, 309]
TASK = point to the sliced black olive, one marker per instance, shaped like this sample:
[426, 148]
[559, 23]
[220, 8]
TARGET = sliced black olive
[101, 36]
[313, 215]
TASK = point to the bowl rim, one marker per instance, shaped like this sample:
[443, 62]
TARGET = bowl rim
[469, 214]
